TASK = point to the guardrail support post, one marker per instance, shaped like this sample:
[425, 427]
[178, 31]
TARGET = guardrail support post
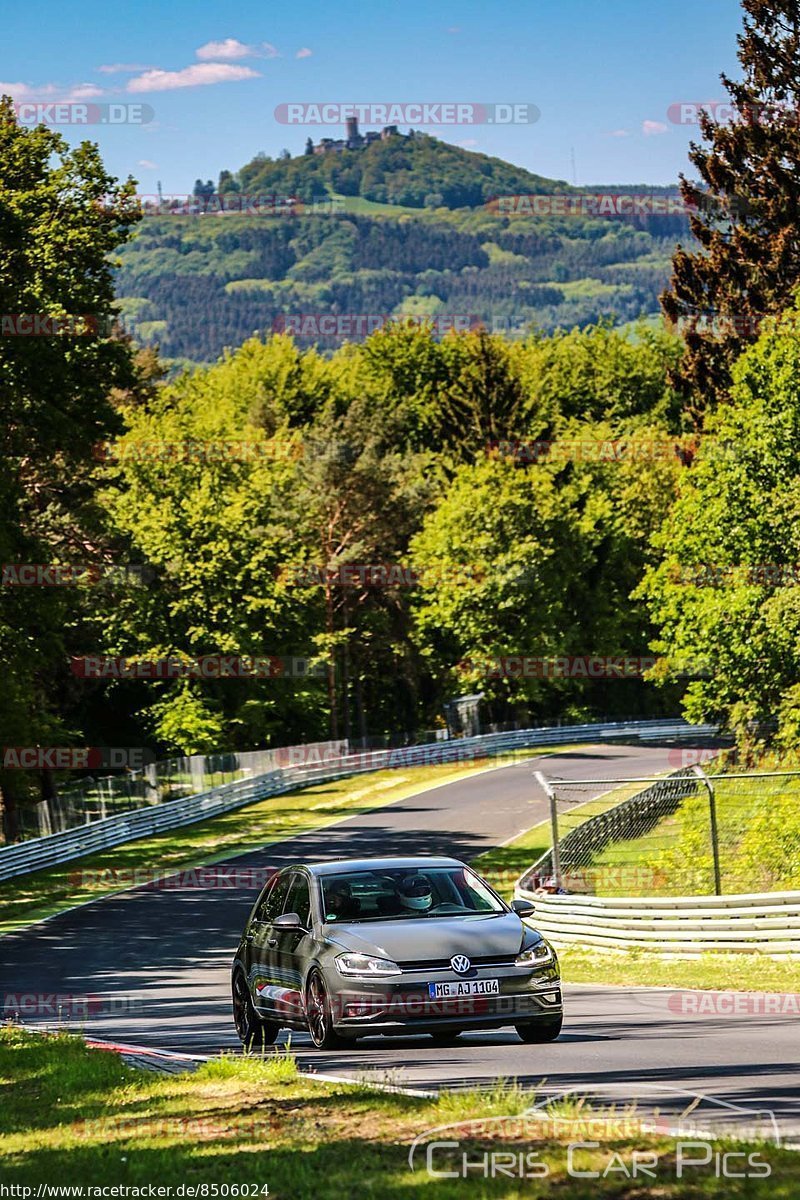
[712, 808]
[551, 796]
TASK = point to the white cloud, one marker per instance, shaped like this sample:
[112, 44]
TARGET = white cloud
[85, 91]
[619, 133]
[122, 68]
[21, 92]
[653, 128]
[304, 53]
[148, 166]
[197, 75]
[231, 49]
[468, 143]
[454, 29]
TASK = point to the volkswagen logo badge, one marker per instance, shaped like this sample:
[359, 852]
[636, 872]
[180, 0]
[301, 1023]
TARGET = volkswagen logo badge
[460, 964]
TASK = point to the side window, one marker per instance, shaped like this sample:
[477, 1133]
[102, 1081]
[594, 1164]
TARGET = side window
[272, 904]
[299, 900]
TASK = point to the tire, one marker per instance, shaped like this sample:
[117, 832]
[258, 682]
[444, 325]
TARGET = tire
[447, 1038]
[254, 1032]
[318, 1014]
[540, 1031]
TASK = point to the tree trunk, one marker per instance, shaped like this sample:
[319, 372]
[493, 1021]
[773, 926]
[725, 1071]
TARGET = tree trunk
[8, 800]
[329, 621]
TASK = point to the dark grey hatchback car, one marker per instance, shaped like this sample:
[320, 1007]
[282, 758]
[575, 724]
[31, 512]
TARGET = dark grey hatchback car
[346, 949]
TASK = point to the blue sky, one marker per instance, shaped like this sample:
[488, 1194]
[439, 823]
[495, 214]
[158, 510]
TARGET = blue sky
[603, 76]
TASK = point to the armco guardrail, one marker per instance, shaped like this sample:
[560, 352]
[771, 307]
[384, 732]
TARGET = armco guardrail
[38, 853]
[685, 925]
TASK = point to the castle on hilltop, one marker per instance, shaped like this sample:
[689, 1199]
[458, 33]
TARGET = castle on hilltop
[353, 140]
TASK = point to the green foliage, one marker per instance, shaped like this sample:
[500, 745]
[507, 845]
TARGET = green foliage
[389, 454]
[396, 171]
[184, 722]
[61, 216]
[725, 595]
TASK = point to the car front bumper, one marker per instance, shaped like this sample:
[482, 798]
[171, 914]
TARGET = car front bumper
[404, 1004]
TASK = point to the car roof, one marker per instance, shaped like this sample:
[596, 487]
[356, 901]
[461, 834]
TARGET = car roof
[411, 862]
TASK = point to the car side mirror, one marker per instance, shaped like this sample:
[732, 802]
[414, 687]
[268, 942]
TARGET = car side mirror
[288, 921]
[523, 908]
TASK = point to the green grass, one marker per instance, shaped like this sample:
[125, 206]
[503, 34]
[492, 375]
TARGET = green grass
[82, 1116]
[758, 824]
[33, 897]
[360, 206]
[708, 972]
[592, 289]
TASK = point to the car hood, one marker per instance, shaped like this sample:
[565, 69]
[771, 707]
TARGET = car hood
[432, 937]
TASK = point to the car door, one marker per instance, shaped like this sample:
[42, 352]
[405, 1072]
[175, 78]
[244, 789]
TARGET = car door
[264, 987]
[287, 946]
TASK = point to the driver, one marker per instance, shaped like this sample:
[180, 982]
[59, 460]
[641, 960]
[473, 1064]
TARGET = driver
[340, 902]
[415, 893]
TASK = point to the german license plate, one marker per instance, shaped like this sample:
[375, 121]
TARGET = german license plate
[464, 987]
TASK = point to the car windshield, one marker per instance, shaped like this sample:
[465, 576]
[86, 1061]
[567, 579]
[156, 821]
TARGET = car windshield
[404, 893]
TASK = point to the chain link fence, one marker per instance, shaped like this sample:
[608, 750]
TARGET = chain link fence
[693, 832]
[92, 799]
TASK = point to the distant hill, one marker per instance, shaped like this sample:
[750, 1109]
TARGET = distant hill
[400, 227]
[416, 171]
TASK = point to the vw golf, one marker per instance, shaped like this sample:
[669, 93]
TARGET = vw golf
[346, 949]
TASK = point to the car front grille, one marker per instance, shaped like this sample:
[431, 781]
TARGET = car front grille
[443, 964]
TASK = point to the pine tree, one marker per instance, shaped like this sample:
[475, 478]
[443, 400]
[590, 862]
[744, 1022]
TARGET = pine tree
[746, 212]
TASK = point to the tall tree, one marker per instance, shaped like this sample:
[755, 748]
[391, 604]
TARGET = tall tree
[61, 217]
[746, 209]
[726, 594]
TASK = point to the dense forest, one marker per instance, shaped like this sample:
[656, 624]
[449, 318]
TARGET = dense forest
[195, 283]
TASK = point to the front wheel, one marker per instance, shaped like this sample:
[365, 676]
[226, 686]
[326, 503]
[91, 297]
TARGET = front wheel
[540, 1031]
[255, 1034]
[319, 1015]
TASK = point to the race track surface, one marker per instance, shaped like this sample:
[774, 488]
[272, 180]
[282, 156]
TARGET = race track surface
[155, 963]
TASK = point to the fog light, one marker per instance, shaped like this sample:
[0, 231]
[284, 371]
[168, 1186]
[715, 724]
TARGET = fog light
[363, 1008]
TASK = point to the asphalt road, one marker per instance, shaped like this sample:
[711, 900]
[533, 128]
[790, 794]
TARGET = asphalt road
[154, 964]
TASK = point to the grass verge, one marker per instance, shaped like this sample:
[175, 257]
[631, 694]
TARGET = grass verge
[710, 972]
[82, 1116]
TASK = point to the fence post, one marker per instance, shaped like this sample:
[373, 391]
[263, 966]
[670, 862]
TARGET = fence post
[551, 796]
[712, 808]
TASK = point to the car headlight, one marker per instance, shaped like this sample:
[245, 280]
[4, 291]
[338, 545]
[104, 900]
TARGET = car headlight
[535, 956]
[365, 964]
